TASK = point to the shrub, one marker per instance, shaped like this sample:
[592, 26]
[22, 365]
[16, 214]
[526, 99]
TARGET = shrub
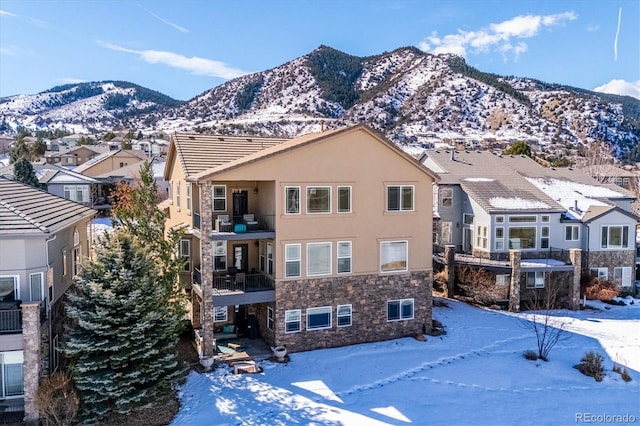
[439, 281]
[592, 365]
[479, 285]
[57, 400]
[531, 355]
[599, 289]
[625, 375]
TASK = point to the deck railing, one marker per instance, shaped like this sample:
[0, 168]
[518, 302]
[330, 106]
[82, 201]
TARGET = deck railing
[245, 283]
[10, 321]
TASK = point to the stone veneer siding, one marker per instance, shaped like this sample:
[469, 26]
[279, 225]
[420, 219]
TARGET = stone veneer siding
[31, 340]
[612, 259]
[206, 251]
[368, 295]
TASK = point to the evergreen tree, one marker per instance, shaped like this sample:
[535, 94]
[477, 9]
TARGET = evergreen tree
[23, 172]
[122, 340]
[519, 148]
[19, 150]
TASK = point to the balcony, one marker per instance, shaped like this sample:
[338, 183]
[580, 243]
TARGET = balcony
[10, 321]
[243, 227]
[244, 283]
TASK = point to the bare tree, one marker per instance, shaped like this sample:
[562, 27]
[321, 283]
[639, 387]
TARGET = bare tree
[548, 328]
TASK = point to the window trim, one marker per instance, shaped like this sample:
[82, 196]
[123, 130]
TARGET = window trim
[309, 263]
[536, 283]
[219, 310]
[222, 198]
[338, 207]
[400, 302]
[270, 318]
[573, 228]
[187, 255]
[338, 257]
[401, 206]
[16, 285]
[350, 315]
[406, 259]
[315, 188]
[42, 295]
[624, 237]
[289, 320]
[287, 260]
[221, 244]
[287, 210]
[534, 239]
[320, 310]
[448, 196]
[178, 196]
[188, 196]
[545, 237]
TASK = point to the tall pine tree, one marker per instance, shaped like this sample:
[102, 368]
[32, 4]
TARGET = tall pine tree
[23, 172]
[121, 344]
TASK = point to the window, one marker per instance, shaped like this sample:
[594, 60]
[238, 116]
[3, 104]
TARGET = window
[522, 238]
[36, 287]
[544, 237]
[9, 289]
[123, 164]
[76, 260]
[344, 257]
[344, 199]
[270, 318]
[292, 199]
[318, 199]
[263, 256]
[622, 276]
[219, 255]
[11, 373]
[64, 262]
[535, 279]
[292, 260]
[602, 273]
[270, 258]
[399, 310]
[185, 254]
[503, 279]
[544, 218]
[499, 219]
[178, 195]
[499, 237]
[344, 315]
[571, 233]
[292, 321]
[188, 193]
[220, 314]
[467, 219]
[400, 198]
[171, 192]
[318, 259]
[446, 232]
[393, 256]
[482, 237]
[77, 193]
[319, 318]
[615, 237]
[520, 219]
[447, 197]
[219, 198]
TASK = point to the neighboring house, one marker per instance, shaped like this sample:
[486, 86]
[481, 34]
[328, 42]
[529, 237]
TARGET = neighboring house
[609, 173]
[72, 157]
[151, 147]
[43, 239]
[561, 221]
[131, 173]
[110, 161]
[319, 241]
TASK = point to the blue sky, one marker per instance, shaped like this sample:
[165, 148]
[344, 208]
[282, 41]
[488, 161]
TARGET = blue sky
[183, 48]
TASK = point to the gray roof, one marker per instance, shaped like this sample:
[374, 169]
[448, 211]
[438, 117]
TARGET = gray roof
[46, 172]
[25, 210]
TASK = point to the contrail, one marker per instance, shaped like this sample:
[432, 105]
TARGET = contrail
[615, 42]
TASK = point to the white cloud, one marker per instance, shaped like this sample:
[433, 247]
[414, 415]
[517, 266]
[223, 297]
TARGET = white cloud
[621, 87]
[14, 50]
[592, 28]
[615, 42]
[171, 24]
[71, 80]
[5, 13]
[195, 65]
[496, 37]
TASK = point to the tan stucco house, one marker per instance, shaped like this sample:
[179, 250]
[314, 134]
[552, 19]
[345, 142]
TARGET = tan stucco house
[110, 161]
[318, 241]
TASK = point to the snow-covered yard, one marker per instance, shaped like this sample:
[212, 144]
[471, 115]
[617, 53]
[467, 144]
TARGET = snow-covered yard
[475, 374]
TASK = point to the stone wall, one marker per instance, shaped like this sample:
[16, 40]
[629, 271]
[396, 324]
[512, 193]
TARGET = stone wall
[368, 295]
[611, 259]
[31, 340]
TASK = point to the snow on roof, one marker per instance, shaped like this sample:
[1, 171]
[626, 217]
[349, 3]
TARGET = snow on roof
[573, 196]
[517, 203]
[478, 179]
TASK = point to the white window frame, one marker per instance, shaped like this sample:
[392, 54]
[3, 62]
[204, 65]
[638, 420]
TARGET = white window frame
[188, 195]
[290, 258]
[406, 256]
[512, 240]
[64, 262]
[575, 232]
[447, 194]
[482, 237]
[401, 303]
[310, 263]
[347, 312]
[76, 260]
[270, 270]
[340, 256]
[545, 237]
[220, 252]
[16, 285]
[31, 283]
[220, 313]
[292, 206]
[601, 273]
[178, 196]
[400, 201]
[220, 198]
[339, 207]
[619, 275]
[537, 279]
[292, 316]
[186, 254]
[499, 239]
[624, 236]
[323, 310]
[499, 219]
[310, 195]
[467, 218]
[270, 318]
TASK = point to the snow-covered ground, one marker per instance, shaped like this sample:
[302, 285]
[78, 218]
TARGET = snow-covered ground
[475, 374]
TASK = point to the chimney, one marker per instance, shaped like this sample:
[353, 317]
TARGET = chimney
[453, 155]
[575, 205]
[322, 125]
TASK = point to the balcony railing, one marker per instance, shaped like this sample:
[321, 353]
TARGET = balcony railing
[197, 275]
[238, 224]
[243, 282]
[10, 321]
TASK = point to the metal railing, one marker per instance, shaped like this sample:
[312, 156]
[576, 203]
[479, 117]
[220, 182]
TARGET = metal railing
[263, 223]
[10, 321]
[197, 275]
[243, 282]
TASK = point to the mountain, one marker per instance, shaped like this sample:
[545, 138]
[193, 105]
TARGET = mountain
[82, 107]
[414, 98]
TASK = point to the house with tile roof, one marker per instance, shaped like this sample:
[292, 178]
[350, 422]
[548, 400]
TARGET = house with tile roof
[110, 161]
[296, 242]
[43, 239]
[561, 221]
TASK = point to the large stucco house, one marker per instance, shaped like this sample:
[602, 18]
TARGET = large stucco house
[562, 223]
[43, 239]
[319, 241]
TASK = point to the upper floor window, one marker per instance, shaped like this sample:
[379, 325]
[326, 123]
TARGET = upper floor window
[394, 256]
[77, 193]
[520, 219]
[344, 257]
[292, 260]
[467, 219]
[178, 195]
[447, 197]
[219, 198]
[544, 237]
[9, 289]
[318, 259]
[400, 198]
[36, 286]
[615, 236]
[571, 233]
[292, 199]
[318, 199]
[522, 238]
[344, 199]
[188, 194]
[185, 254]
[219, 255]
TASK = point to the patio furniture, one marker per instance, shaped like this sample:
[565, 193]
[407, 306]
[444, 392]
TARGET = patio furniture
[250, 221]
[223, 223]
